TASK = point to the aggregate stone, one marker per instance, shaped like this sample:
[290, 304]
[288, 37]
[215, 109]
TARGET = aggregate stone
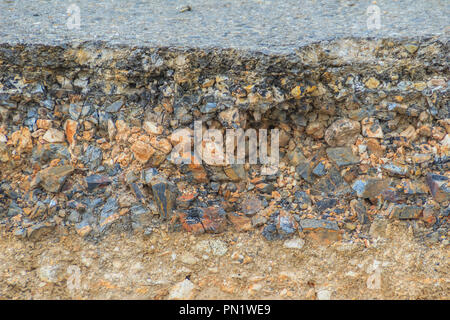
[295, 243]
[96, 181]
[182, 291]
[215, 247]
[402, 211]
[93, 157]
[52, 178]
[326, 204]
[114, 107]
[395, 169]
[110, 208]
[370, 187]
[303, 199]
[165, 194]
[439, 186]
[342, 156]
[342, 132]
[124, 101]
[311, 224]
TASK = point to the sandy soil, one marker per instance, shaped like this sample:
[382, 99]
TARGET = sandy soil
[231, 265]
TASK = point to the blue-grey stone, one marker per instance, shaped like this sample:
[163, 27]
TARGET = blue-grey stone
[75, 111]
[342, 156]
[302, 198]
[326, 204]
[319, 170]
[115, 106]
[395, 170]
[93, 157]
[210, 107]
[108, 209]
[370, 187]
[318, 224]
[96, 181]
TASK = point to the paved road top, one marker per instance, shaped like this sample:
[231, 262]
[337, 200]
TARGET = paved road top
[262, 25]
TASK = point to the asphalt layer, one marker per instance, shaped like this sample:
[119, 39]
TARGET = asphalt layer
[258, 25]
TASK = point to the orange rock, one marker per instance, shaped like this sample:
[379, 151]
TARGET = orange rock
[21, 139]
[324, 237]
[161, 144]
[374, 147]
[123, 131]
[142, 151]
[315, 129]
[44, 123]
[71, 130]
[198, 172]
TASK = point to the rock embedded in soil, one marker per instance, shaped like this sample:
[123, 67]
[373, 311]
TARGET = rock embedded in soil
[164, 193]
[342, 132]
[353, 142]
[295, 243]
[402, 211]
[182, 291]
[52, 179]
[439, 186]
[342, 156]
[370, 187]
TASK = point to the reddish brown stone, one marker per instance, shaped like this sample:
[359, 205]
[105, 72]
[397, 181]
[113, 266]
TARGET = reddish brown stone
[439, 187]
[185, 200]
[428, 216]
[240, 222]
[213, 220]
[199, 173]
[201, 220]
[251, 205]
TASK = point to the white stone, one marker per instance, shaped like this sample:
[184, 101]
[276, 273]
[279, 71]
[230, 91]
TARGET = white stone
[446, 141]
[152, 128]
[216, 247]
[182, 291]
[295, 243]
[323, 295]
[188, 258]
[54, 136]
[50, 273]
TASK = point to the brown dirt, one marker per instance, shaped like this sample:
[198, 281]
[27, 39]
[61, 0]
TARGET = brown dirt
[124, 266]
